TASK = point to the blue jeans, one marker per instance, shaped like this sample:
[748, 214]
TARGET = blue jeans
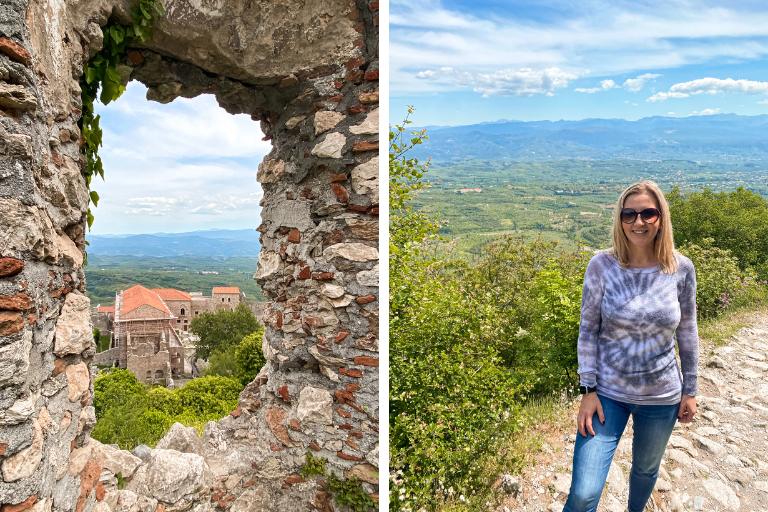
[592, 455]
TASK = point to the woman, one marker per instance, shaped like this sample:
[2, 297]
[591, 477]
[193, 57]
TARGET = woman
[638, 296]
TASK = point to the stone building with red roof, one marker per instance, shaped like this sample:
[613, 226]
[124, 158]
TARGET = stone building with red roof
[149, 326]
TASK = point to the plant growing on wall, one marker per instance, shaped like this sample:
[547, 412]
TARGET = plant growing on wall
[101, 74]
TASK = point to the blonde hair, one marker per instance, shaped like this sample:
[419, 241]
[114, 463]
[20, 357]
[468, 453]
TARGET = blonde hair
[663, 244]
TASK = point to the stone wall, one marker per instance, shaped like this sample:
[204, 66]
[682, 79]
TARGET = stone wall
[308, 72]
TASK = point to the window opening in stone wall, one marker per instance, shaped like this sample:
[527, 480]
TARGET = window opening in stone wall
[174, 230]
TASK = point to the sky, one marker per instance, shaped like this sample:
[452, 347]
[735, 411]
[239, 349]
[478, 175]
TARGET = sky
[462, 62]
[184, 166]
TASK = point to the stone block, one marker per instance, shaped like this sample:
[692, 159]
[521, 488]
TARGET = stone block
[24, 463]
[315, 406]
[74, 332]
[331, 146]
[326, 119]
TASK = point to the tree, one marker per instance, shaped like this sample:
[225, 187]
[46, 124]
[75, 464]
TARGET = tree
[250, 357]
[224, 329]
[735, 221]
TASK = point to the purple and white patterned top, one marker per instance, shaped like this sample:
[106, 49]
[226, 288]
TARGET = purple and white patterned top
[629, 319]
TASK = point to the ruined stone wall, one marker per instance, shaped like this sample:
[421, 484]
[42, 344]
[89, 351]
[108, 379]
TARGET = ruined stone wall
[307, 71]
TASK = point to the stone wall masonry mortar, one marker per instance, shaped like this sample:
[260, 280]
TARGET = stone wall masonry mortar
[318, 267]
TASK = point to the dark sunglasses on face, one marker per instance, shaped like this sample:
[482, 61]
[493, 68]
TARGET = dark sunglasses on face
[649, 215]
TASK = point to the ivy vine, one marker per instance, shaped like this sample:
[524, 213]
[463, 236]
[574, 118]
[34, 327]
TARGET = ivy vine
[101, 73]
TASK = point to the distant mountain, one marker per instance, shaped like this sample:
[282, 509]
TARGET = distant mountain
[215, 243]
[717, 138]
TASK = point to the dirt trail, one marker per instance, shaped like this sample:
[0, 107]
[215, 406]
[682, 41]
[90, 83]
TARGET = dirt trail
[717, 463]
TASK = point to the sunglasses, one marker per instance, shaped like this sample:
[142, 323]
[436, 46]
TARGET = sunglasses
[648, 216]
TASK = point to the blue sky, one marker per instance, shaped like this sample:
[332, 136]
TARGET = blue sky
[461, 62]
[183, 166]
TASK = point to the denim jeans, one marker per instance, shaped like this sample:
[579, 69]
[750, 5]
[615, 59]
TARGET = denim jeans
[592, 455]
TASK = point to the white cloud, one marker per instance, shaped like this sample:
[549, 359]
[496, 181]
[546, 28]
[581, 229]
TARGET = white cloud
[599, 39]
[762, 102]
[177, 167]
[588, 90]
[664, 96]
[152, 206]
[711, 86]
[504, 82]
[706, 112]
[604, 86]
[630, 84]
[636, 84]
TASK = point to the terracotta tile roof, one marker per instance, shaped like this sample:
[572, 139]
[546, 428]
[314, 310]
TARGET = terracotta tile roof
[226, 289]
[137, 296]
[106, 309]
[171, 294]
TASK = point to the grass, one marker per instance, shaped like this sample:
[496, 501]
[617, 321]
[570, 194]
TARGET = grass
[718, 330]
[543, 418]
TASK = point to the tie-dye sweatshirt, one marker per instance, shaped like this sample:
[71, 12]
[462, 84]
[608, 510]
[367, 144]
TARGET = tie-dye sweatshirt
[629, 319]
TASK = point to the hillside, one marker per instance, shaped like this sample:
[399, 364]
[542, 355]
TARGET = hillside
[725, 138]
[210, 244]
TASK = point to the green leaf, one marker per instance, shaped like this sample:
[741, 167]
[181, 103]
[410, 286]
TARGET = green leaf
[118, 33]
[91, 74]
[94, 198]
[109, 91]
[89, 217]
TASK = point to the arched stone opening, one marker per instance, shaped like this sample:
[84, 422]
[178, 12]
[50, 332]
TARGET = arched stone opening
[309, 74]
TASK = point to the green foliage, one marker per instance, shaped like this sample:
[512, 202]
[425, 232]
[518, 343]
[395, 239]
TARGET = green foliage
[130, 413]
[314, 466]
[222, 362]
[408, 228]
[735, 221]
[101, 73]
[721, 285]
[347, 492]
[102, 341]
[242, 361]
[470, 343]
[249, 356]
[223, 329]
[115, 388]
[210, 396]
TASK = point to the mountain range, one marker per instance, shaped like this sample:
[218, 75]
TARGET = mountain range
[214, 243]
[713, 138]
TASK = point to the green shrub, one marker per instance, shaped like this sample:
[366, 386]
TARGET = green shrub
[720, 283]
[223, 329]
[129, 413]
[249, 357]
[734, 221]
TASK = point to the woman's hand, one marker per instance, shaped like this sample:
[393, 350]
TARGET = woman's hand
[687, 409]
[589, 405]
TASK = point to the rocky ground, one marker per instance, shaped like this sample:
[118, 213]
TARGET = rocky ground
[717, 463]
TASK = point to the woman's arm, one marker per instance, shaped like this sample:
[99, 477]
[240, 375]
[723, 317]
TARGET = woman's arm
[589, 327]
[688, 334]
